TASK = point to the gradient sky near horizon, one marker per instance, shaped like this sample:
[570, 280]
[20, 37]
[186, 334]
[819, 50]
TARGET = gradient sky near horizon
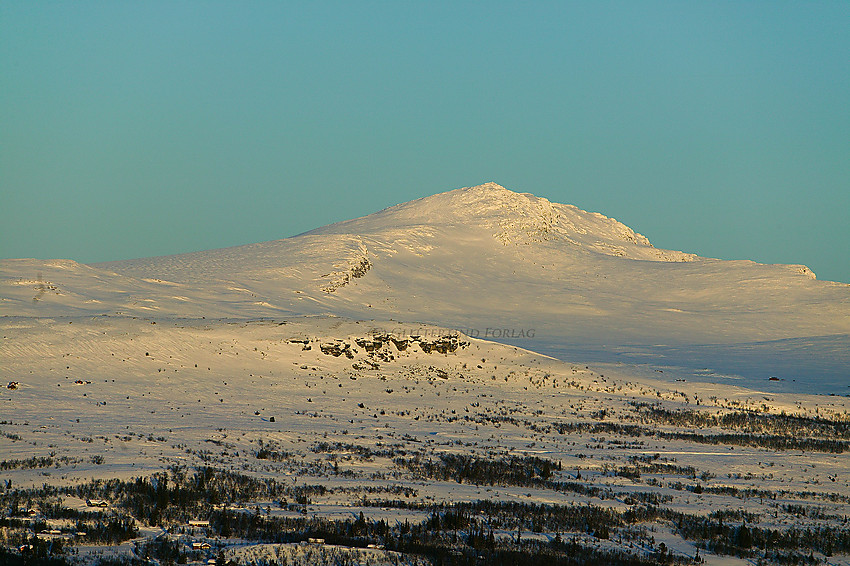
[134, 129]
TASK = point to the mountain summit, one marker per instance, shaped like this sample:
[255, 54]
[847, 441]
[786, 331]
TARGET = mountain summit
[511, 218]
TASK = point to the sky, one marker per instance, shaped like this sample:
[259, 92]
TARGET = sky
[136, 129]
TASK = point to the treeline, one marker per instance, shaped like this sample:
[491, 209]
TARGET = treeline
[178, 496]
[522, 471]
[592, 520]
[271, 451]
[113, 530]
[39, 555]
[770, 441]
[652, 464]
[748, 421]
[458, 534]
[514, 470]
[37, 462]
[362, 451]
[530, 471]
[748, 541]
[777, 432]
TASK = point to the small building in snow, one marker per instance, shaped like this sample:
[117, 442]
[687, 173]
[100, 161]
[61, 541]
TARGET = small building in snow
[196, 523]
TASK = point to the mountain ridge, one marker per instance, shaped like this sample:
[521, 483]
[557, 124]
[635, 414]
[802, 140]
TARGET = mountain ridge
[513, 218]
[477, 259]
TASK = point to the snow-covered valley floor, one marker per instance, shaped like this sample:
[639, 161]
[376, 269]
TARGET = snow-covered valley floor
[422, 442]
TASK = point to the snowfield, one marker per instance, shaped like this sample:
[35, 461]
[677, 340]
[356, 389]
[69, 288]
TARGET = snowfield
[629, 406]
[484, 258]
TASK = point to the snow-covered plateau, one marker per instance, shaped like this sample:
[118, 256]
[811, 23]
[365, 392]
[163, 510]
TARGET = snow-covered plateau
[476, 377]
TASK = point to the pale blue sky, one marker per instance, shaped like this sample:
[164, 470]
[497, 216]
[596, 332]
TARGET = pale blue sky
[131, 129]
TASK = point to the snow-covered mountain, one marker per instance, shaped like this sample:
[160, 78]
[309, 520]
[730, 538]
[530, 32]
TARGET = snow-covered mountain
[486, 260]
[213, 374]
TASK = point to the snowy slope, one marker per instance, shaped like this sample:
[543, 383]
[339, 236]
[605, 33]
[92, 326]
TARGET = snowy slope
[486, 260]
[124, 397]
[303, 360]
